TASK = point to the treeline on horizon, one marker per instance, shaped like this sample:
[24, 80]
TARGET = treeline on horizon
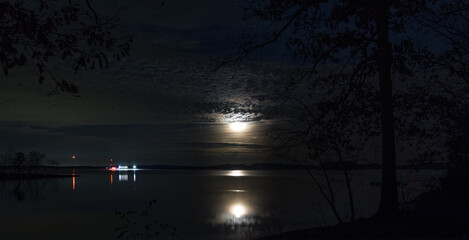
[19, 160]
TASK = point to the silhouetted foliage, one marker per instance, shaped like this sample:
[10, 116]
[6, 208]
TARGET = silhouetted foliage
[8, 156]
[53, 163]
[35, 158]
[143, 225]
[13, 158]
[369, 72]
[19, 160]
[42, 31]
[455, 184]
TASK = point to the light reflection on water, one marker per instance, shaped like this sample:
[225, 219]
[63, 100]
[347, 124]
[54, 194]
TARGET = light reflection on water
[73, 181]
[236, 173]
[123, 177]
[201, 204]
[238, 213]
[236, 190]
[235, 215]
[238, 210]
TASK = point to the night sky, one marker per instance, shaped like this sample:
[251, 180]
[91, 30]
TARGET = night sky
[165, 104]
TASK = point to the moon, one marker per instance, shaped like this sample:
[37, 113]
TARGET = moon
[238, 126]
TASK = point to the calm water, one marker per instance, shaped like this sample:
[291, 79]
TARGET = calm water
[192, 204]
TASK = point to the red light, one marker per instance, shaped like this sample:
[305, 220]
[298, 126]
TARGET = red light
[73, 157]
[113, 169]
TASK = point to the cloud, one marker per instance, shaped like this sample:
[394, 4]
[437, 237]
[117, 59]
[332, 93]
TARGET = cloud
[142, 90]
[165, 99]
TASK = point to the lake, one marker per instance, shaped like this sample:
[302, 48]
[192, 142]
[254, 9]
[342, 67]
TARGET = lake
[185, 204]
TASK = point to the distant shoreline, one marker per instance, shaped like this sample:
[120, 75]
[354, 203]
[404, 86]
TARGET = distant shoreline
[268, 166]
[9, 174]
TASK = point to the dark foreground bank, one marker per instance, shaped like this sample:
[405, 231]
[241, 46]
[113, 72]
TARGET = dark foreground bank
[442, 213]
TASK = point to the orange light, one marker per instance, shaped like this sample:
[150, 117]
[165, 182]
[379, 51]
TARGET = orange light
[111, 179]
[73, 180]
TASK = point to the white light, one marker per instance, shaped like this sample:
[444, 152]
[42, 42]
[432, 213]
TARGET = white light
[236, 190]
[238, 126]
[135, 167]
[123, 177]
[238, 210]
[236, 173]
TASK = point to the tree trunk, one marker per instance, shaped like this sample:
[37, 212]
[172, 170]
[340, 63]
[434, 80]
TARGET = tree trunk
[388, 203]
[347, 182]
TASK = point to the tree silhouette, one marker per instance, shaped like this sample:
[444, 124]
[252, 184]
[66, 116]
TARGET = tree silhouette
[35, 158]
[8, 156]
[353, 52]
[451, 66]
[334, 139]
[19, 160]
[39, 32]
